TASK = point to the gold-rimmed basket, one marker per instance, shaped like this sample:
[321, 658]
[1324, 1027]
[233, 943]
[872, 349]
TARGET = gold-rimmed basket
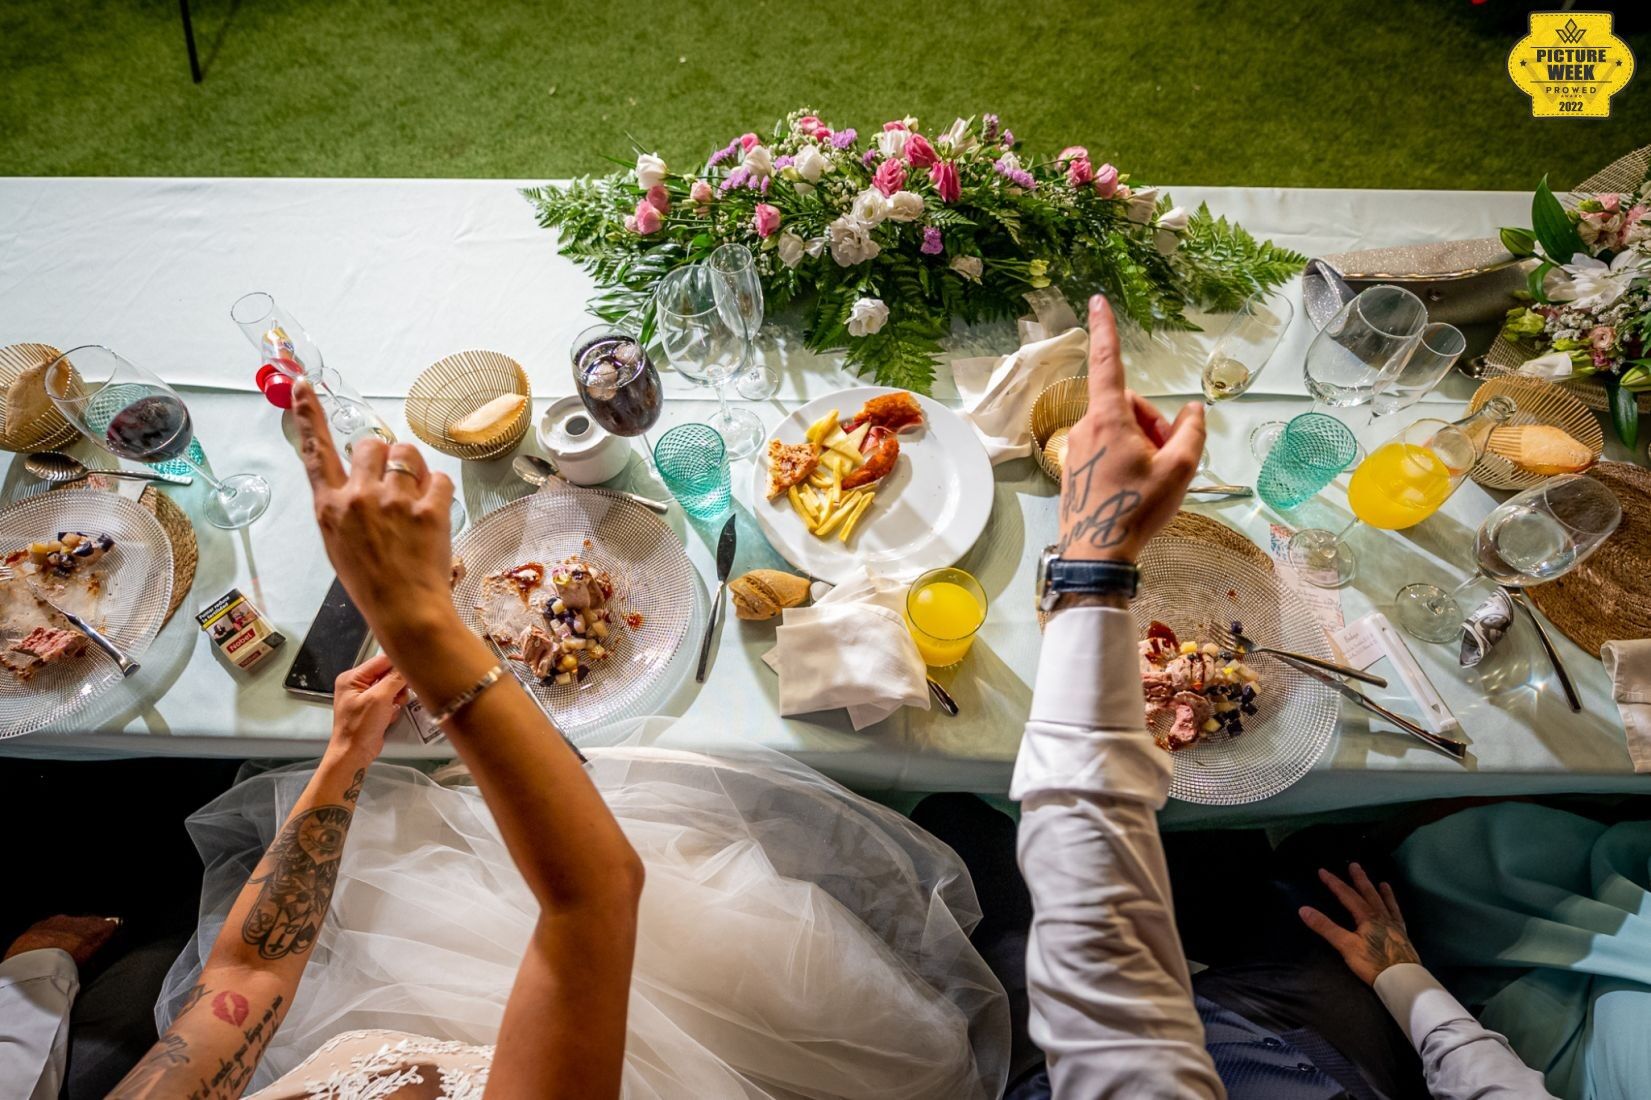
[457, 386]
[1060, 406]
[1535, 402]
[47, 431]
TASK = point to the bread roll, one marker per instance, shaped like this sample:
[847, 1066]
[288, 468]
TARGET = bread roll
[764, 593]
[1541, 449]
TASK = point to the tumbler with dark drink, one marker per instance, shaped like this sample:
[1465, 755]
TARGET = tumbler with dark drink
[617, 382]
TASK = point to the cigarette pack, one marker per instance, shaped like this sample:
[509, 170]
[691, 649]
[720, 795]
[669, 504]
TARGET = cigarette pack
[239, 630]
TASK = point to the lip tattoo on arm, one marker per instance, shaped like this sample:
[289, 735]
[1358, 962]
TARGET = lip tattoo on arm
[1102, 523]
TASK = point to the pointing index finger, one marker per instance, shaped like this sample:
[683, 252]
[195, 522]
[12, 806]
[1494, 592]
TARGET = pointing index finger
[315, 445]
[1106, 367]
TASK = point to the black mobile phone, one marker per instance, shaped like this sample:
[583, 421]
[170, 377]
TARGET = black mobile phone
[333, 645]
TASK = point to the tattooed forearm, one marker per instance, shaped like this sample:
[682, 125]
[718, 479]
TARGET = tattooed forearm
[1096, 521]
[294, 894]
[353, 791]
[170, 1053]
[173, 1068]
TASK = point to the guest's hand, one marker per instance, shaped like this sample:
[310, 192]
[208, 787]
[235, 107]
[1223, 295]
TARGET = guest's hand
[1127, 468]
[1378, 939]
[81, 937]
[385, 524]
[364, 703]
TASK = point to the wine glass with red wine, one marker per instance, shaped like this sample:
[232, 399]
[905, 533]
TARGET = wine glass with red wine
[132, 414]
[617, 381]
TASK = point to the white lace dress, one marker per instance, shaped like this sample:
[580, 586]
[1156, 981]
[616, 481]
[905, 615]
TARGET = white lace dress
[386, 1065]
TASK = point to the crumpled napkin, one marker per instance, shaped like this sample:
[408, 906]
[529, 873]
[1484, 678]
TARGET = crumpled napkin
[1485, 626]
[850, 649]
[998, 391]
[1629, 666]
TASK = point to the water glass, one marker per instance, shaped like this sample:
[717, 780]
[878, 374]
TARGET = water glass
[1311, 451]
[693, 462]
[1364, 346]
[738, 291]
[1440, 347]
[1246, 345]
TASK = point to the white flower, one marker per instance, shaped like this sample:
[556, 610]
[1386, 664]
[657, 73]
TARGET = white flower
[1595, 286]
[892, 143]
[851, 241]
[1174, 219]
[1010, 162]
[810, 163]
[870, 206]
[958, 137]
[905, 206]
[869, 315]
[1555, 364]
[650, 170]
[793, 248]
[1142, 204]
[759, 161]
[969, 267]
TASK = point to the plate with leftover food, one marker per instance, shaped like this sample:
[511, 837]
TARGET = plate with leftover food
[590, 596]
[1239, 729]
[872, 477]
[97, 555]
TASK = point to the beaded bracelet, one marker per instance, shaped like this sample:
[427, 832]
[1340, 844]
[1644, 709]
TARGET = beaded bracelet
[468, 696]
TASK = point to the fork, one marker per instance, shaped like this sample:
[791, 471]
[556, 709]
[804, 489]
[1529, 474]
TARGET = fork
[1244, 647]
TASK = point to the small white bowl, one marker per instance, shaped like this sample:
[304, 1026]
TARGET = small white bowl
[586, 452]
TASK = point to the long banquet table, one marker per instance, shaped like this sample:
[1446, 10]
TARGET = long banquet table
[391, 275]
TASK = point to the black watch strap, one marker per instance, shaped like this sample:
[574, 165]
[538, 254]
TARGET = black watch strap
[1093, 578]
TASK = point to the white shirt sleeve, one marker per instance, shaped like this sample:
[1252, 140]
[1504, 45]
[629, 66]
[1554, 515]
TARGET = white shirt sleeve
[1111, 999]
[37, 988]
[1461, 1060]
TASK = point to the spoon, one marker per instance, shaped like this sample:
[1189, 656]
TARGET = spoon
[59, 469]
[536, 470]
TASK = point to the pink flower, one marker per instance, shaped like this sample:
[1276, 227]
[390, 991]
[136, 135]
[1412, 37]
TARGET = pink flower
[1106, 181]
[1612, 203]
[766, 219]
[659, 198]
[748, 140]
[1603, 337]
[822, 133]
[1079, 171]
[808, 124]
[897, 124]
[919, 153]
[869, 157]
[944, 177]
[842, 139]
[932, 244]
[630, 223]
[889, 177]
[701, 193]
[1073, 152]
[647, 217]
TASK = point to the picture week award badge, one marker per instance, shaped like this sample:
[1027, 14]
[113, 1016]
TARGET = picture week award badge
[1570, 64]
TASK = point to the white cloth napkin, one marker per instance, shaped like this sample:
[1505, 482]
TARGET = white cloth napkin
[1629, 666]
[998, 392]
[850, 649]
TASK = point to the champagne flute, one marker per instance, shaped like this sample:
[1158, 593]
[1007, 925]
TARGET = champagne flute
[1536, 536]
[1246, 345]
[738, 292]
[705, 348]
[1441, 345]
[132, 414]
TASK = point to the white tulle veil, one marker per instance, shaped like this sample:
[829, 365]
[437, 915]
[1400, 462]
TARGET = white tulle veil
[795, 939]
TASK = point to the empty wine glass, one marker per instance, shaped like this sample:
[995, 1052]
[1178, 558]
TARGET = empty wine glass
[1441, 345]
[1246, 345]
[705, 348]
[132, 414]
[739, 295]
[1536, 536]
[1363, 348]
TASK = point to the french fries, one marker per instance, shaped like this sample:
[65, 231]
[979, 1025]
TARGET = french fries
[859, 510]
[820, 500]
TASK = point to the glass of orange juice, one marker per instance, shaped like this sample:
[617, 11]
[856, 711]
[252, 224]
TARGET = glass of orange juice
[944, 610]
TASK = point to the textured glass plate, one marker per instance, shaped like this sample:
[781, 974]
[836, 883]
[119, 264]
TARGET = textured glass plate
[653, 578]
[1187, 584]
[137, 591]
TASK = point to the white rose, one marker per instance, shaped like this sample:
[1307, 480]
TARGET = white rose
[868, 316]
[851, 241]
[905, 206]
[892, 143]
[1010, 162]
[650, 170]
[870, 206]
[1142, 204]
[1174, 219]
[810, 163]
[759, 161]
[969, 267]
[958, 137]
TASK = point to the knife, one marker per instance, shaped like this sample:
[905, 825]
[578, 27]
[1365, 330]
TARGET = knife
[725, 566]
[126, 664]
[1456, 750]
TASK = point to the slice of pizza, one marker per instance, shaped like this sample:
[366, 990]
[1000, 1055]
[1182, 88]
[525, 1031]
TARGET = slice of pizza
[790, 464]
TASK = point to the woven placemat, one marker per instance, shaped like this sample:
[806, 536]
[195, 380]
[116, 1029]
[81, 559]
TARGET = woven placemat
[1608, 597]
[1538, 402]
[180, 532]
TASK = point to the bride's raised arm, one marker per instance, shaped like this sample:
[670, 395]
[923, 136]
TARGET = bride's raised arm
[385, 524]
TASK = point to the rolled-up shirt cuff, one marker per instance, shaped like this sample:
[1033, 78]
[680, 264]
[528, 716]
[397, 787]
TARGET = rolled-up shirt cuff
[43, 962]
[1417, 1001]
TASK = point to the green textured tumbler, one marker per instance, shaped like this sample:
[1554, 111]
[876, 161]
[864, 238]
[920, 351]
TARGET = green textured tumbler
[1311, 451]
[693, 462]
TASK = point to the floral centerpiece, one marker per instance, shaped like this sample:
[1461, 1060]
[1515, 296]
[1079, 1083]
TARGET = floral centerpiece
[885, 239]
[1590, 297]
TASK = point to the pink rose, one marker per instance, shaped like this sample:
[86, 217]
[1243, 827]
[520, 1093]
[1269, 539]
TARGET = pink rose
[1612, 203]
[766, 219]
[702, 193]
[630, 223]
[659, 198]
[1106, 181]
[1603, 337]
[1079, 171]
[808, 124]
[897, 124]
[889, 177]
[822, 133]
[944, 177]
[748, 140]
[1073, 152]
[647, 217]
[919, 153]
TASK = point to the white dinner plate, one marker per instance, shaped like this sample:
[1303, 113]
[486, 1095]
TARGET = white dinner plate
[929, 510]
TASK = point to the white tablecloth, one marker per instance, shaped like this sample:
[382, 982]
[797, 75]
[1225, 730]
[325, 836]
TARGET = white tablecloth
[389, 276]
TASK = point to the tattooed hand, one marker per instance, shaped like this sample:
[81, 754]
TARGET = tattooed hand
[1127, 467]
[1378, 939]
[364, 703]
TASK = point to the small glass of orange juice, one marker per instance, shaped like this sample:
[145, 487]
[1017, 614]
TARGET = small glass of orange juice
[944, 610]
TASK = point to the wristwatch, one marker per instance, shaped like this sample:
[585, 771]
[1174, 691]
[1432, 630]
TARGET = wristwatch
[1059, 577]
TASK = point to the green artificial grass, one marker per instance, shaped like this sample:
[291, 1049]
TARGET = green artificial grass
[1329, 93]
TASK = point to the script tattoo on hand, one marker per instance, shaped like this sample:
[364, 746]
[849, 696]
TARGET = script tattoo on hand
[1101, 522]
[293, 896]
